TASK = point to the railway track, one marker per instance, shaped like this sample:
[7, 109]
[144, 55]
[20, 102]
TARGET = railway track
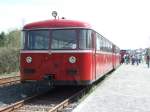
[53, 101]
[9, 80]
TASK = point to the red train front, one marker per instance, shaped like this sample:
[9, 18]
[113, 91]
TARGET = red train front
[58, 49]
[62, 51]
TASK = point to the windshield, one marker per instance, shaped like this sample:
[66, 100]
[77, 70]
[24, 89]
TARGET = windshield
[37, 40]
[57, 39]
[64, 39]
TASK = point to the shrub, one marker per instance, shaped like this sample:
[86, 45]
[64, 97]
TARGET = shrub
[9, 60]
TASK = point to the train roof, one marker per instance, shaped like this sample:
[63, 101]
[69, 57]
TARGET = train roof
[56, 23]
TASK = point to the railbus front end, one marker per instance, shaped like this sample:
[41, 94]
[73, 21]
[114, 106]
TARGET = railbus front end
[61, 55]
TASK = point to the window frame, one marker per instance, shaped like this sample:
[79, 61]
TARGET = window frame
[26, 39]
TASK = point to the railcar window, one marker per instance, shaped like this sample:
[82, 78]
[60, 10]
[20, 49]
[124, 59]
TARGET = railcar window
[98, 42]
[111, 47]
[64, 39]
[37, 40]
[104, 45]
[101, 42]
[117, 50]
[109, 50]
[85, 39]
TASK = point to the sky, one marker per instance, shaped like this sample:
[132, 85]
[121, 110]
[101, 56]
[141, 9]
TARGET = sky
[124, 22]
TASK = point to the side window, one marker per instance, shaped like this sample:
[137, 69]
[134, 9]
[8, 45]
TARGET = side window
[85, 39]
[101, 42]
[110, 47]
[104, 44]
[118, 50]
[98, 42]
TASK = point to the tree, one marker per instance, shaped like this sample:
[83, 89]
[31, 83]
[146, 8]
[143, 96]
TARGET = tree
[2, 39]
[13, 39]
[9, 51]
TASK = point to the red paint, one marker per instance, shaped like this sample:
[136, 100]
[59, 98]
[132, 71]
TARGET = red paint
[56, 24]
[57, 64]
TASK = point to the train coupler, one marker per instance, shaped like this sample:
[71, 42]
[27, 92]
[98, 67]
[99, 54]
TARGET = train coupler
[49, 79]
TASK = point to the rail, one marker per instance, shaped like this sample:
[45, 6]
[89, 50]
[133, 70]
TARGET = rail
[16, 105]
[66, 102]
[9, 80]
[58, 107]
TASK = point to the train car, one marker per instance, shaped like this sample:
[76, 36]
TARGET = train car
[65, 52]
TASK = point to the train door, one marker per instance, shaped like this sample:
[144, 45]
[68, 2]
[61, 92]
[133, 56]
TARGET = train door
[98, 56]
[94, 55]
[113, 57]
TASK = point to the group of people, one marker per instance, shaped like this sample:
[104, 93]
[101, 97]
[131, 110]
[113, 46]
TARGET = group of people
[135, 59]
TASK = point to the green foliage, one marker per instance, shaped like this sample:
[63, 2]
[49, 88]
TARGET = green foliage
[9, 51]
[13, 39]
[2, 39]
[9, 60]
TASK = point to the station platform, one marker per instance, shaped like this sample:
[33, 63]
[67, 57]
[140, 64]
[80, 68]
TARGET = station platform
[126, 90]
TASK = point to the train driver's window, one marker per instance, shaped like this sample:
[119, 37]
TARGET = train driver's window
[38, 40]
[64, 39]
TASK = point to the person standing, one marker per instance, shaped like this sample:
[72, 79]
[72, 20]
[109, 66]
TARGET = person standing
[148, 57]
[137, 59]
[148, 60]
[133, 59]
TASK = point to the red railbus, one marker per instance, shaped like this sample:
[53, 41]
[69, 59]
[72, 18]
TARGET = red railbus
[65, 52]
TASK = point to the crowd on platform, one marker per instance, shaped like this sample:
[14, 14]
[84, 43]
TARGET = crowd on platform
[136, 59]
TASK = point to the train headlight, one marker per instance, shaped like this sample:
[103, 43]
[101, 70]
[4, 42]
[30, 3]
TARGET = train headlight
[28, 59]
[72, 59]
